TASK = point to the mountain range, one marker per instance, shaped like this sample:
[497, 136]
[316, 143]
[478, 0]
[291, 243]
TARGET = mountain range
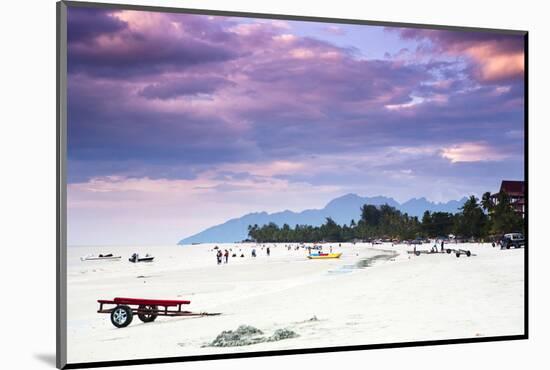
[342, 210]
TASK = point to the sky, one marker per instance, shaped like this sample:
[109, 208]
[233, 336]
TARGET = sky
[178, 122]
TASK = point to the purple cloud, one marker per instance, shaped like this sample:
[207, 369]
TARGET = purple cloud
[153, 44]
[172, 96]
[182, 86]
[495, 57]
[86, 24]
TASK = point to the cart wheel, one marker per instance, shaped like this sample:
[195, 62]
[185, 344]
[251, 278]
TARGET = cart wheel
[449, 251]
[121, 316]
[468, 253]
[457, 254]
[508, 246]
[417, 253]
[147, 313]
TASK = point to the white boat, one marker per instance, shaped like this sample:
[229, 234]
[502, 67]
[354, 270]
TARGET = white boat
[136, 258]
[101, 257]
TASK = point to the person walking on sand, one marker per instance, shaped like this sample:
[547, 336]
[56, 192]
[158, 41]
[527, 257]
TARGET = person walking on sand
[442, 245]
[268, 251]
[226, 255]
[219, 257]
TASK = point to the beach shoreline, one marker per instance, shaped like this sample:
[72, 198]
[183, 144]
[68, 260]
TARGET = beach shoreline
[337, 302]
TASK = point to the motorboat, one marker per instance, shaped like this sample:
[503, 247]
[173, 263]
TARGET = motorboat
[101, 257]
[136, 258]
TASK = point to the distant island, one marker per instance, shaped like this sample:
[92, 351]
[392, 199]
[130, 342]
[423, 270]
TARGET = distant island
[341, 210]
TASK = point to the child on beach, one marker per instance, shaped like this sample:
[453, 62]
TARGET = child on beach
[219, 256]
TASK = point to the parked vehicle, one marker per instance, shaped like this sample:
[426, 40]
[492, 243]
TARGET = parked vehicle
[512, 240]
[147, 310]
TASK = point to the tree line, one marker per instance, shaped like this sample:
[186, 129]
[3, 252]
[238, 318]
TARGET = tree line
[477, 219]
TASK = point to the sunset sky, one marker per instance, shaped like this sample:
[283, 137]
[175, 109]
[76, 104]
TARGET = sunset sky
[179, 122]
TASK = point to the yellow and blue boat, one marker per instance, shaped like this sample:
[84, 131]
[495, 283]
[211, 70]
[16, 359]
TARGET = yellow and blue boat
[321, 256]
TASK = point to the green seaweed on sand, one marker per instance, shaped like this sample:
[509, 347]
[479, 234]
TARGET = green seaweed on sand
[281, 334]
[246, 335]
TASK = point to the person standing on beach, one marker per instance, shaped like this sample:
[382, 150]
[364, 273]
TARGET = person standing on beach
[226, 255]
[268, 251]
[442, 245]
[219, 256]
[253, 252]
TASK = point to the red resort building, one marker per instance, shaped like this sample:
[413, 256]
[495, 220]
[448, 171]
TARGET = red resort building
[516, 193]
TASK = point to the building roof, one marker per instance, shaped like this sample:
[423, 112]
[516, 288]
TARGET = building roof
[513, 187]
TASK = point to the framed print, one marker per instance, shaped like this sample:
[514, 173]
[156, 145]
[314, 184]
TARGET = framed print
[234, 184]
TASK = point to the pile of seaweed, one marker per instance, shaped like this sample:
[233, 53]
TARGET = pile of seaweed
[246, 335]
[367, 262]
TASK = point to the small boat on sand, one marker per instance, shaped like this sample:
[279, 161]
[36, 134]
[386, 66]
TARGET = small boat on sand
[100, 257]
[320, 256]
[136, 258]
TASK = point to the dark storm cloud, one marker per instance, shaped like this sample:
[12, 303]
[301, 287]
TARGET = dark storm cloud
[105, 46]
[85, 24]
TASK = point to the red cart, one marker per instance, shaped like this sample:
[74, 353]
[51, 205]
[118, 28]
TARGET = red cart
[147, 310]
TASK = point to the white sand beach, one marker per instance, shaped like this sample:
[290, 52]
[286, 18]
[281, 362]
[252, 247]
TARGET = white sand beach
[398, 298]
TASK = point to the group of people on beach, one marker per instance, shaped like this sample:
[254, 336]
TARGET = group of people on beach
[223, 257]
[434, 248]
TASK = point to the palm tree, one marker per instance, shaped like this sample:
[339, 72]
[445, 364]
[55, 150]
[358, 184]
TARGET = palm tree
[487, 202]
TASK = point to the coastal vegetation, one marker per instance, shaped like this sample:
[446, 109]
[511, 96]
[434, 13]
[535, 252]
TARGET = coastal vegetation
[484, 219]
